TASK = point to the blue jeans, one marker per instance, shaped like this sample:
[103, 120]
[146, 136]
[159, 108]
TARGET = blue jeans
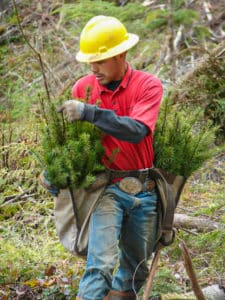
[120, 222]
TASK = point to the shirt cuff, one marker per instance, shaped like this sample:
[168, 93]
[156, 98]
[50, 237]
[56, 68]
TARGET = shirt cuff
[88, 113]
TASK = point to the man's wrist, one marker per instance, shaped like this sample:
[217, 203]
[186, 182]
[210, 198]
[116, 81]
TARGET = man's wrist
[80, 108]
[88, 113]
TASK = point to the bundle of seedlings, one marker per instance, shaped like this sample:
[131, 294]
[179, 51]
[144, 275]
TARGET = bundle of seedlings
[183, 140]
[72, 152]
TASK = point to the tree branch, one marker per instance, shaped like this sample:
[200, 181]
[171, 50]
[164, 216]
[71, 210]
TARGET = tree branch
[190, 271]
[36, 53]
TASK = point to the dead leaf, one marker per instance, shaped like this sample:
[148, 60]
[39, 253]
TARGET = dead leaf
[50, 270]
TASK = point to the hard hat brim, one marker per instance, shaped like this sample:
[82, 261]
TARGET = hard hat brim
[124, 46]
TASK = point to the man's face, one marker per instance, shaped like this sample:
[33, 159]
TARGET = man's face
[108, 70]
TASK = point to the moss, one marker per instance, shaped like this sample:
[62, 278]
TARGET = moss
[8, 211]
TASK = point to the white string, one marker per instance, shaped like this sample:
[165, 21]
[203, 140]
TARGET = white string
[133, 287]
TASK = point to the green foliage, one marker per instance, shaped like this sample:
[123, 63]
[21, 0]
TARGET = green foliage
[215, 111]
[204, 86]
[178, 4]
[158, 18]
[26, 249]
[85, 10]
[8, 212]
[201, 32]
[185, 16]
[182, 141]
[213, 244]
[16, 92]
[164, 282]
[72, 152]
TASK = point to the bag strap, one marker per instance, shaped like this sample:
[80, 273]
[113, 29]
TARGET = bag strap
[169, 189]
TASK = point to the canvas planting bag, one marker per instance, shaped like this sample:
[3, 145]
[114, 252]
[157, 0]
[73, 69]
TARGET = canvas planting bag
[73, 209]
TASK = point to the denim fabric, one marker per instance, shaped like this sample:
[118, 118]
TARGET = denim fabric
[128, 222]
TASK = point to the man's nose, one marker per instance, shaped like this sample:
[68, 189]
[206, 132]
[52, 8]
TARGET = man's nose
[94, 67]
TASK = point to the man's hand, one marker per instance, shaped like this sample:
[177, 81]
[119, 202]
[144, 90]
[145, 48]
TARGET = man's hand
[47, 185]
[73, 109]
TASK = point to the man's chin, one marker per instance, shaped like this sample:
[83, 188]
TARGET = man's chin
[101, 80]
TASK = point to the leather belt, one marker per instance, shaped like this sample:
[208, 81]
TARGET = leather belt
[133, 181]
[142, 174]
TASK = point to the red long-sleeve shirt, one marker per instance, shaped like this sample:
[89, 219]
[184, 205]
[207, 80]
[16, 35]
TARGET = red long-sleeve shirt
[137, 98]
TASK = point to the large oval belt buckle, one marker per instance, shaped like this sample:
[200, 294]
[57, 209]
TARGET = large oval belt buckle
[131, 185]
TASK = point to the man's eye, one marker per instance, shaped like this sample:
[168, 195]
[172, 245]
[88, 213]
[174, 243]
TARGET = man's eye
[101, 62]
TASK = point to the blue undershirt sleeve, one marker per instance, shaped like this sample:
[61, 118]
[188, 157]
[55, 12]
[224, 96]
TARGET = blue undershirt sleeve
[122, 128]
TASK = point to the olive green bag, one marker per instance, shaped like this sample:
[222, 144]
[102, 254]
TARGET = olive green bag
[73, 209]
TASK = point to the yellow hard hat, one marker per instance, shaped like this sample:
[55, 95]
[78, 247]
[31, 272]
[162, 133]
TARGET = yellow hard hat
[104, 37]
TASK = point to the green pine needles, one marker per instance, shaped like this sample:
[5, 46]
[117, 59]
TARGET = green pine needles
[183, 141]
[72, 152]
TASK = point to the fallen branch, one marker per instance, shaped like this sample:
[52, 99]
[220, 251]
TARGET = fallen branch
[199, 223]
[14, 198]
[178, 38]
[190, 271]
[206, 6]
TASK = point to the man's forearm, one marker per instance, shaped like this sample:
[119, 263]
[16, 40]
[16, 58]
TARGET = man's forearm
[123, 128]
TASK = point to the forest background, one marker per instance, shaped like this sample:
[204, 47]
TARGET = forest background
[182, 42]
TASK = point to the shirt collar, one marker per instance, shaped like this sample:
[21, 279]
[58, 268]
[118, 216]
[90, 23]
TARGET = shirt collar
[124, 83]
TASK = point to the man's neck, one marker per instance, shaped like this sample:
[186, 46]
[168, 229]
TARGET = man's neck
[113, 85]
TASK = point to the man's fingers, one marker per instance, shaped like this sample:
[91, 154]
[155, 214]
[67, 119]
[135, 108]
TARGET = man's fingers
[72, 109]
[65, 105]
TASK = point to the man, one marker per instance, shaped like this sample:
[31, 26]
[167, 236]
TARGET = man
[124, 104]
